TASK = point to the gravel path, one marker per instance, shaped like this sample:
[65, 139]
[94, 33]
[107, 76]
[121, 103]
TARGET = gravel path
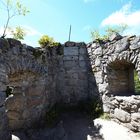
[111, 130]
[78, 126]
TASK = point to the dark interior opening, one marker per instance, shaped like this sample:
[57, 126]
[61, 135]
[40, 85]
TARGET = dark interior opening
[121, 78]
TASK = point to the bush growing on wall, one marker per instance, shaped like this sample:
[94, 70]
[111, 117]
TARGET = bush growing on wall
[46, 41]
[95, 35]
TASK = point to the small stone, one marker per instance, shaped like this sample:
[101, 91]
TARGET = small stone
[135, 116]
[14, 42]
[98, 51]
[122, 47]
[70, 44]
[134, 46]
[115, 36]
[97, 62]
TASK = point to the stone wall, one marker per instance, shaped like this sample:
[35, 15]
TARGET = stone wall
[126, 110]
[74, 74]
[67, 74]
[21, 70]
[39, 78]
[113, 64]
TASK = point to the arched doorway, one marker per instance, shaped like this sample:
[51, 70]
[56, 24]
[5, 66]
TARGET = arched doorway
[25, 104]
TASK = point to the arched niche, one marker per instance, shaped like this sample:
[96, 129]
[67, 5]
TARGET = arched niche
[120, 75]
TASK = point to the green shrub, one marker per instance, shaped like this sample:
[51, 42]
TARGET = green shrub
[110, 30]
[46, 41]
[105, 116]
[137, 83]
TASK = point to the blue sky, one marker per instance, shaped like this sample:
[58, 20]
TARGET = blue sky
[53, 17]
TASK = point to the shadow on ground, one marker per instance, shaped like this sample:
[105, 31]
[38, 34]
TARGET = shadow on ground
[71, 126]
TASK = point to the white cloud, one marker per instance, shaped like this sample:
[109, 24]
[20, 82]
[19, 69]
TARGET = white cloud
[125, 15]
[30, 31]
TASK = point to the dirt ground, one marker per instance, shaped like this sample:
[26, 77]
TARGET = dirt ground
[78, 126]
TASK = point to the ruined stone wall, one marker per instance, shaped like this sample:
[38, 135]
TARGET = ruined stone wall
[67, 74]
[126, 111]
[21, 70]
[75, 74]
[39, 78]
[113, 64]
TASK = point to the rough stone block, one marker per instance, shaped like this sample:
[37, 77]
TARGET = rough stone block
[135, 116]
[83, 50]
[83, 64]
[15, 103]
[99, 77]
[2, 98]
[70, 64]
[70, 58]
[103, 88]
[98, 51]
[70, 51]
[122, 115]
[13, 115]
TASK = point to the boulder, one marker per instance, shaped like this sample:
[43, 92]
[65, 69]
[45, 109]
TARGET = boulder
[122, 115]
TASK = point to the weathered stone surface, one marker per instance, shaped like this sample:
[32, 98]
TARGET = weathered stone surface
[2, 98]
[98, 51]
[4, 45]
[14, 42]
[103, 88]
[41, 80]
[134, 47]
[13, 115]
[70, 44]
[68, 58]
[122, 47]
[97, 62]
[115, 36]
[99, 77]
[122, 115]
[70, 51]
[135, 116]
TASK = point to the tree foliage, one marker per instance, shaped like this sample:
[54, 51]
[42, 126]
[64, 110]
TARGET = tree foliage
[17, 33]
[108, 32]
[13, 9]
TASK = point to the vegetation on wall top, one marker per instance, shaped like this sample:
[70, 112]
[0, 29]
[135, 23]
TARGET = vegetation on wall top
[46, 41]
[95, 35]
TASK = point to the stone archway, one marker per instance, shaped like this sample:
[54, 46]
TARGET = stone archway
[24, 106]
[26, 73]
